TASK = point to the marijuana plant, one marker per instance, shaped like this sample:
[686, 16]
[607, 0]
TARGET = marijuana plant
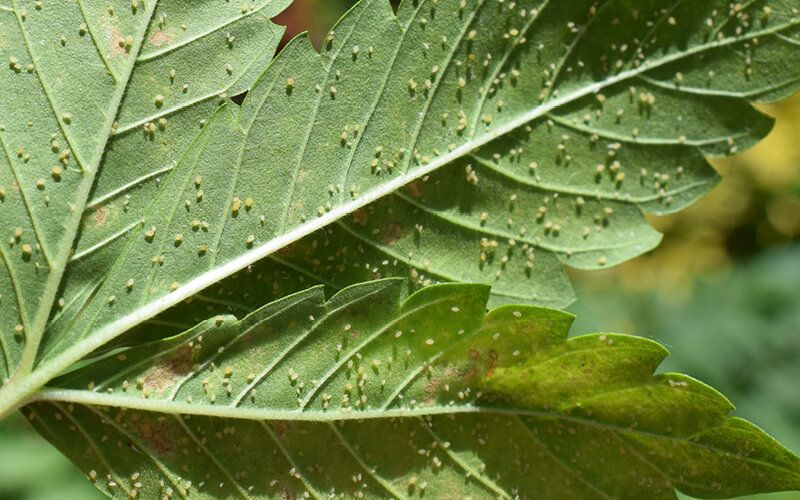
[482, 141]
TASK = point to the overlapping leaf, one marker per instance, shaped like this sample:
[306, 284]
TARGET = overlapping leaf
[375, 394]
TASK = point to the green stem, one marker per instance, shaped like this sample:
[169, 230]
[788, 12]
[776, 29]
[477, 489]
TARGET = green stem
[17, 392]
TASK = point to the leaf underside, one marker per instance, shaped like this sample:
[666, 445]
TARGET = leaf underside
[377, 394]
[545, 142]
[483, 141]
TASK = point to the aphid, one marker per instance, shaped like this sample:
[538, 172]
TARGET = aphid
[13, 63]
[158, 100]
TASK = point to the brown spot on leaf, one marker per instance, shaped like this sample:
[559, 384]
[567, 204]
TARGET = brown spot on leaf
[164, 375]
[479, 365]
[281, 427]
[116, 43]
[432, 390]
[469, 374]
[160, 38]
[288, 250]
[415, 190]
[157, 436]
[492, 363]
[360, 217]
[394, 232]
[100, 216]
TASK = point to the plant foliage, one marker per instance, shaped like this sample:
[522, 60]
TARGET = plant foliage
[474, 140]
[427, 395]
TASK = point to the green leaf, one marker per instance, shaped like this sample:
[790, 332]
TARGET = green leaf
[377, 394]
[748, 316]
[479, 140]
[74, 74]
[616, 122]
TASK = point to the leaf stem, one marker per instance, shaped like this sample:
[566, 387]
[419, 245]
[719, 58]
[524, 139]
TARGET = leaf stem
[17, 392]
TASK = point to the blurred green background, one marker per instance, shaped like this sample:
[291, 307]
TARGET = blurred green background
[722, 292]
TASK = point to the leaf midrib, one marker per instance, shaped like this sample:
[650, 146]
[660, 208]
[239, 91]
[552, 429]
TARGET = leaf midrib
[91, 399]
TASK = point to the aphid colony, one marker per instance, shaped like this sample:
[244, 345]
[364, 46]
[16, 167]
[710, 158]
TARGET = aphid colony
[206, 369]
[545, 183]
[469, 92]
[371, 365]
[179, 440]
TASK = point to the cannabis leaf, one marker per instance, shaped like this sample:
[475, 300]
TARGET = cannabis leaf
[375, 394]
[559, 134]
[560, 151]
